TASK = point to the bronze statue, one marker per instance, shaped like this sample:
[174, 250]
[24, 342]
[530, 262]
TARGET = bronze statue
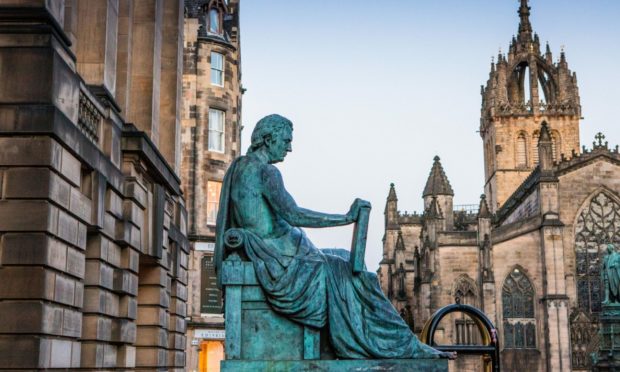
[611, 276]
[316, 288]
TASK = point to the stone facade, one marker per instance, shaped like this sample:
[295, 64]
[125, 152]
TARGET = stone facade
[211, 139]
[93, 228]
[529, 255]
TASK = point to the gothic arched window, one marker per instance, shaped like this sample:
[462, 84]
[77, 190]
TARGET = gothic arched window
[521, 150]
[518, 311]
[465, 329]
[597, 225]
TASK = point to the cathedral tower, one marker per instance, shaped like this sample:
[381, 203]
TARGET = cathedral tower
[525, 88]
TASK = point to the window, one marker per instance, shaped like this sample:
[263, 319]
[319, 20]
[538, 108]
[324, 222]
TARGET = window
[214, 21]
[598, 223]
[216, 130]
[518, 311]
[521, 149]
[465, 330]
[217, 69]
[213, 201]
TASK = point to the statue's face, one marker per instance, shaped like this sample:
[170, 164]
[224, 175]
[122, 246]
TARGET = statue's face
[279, 145]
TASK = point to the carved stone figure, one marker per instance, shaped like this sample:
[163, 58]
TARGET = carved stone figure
[313, 287]
[611, 276]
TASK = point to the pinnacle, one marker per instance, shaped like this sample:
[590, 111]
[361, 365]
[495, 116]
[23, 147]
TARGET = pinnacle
[545, 136]
[483, 210]
[392, 193]
[437, 183]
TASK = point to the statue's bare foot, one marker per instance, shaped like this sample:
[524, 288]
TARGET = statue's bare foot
[448, 354]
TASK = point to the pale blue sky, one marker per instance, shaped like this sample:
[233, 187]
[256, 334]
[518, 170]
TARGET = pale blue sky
[376, 89]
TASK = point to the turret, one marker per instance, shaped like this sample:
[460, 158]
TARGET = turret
[438, 188]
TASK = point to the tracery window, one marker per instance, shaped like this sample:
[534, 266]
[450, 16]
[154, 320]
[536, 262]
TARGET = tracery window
[518, 311]
[597, 225]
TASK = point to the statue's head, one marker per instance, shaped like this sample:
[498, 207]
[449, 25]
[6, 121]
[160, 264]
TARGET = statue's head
[273, 134]
[610, 248]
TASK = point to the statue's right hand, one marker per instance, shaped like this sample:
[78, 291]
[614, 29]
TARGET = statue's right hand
[355, 208]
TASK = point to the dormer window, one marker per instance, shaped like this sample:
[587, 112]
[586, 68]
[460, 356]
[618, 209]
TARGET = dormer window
[215, 11]
[214, 21]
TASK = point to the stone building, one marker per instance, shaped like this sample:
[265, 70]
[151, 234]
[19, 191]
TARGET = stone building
[93, 242]
[529, 254]
[211, 139]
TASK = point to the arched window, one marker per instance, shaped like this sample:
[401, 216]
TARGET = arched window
[518, 311]
[521, 150]
[535, 147]
[465, 329]
[597, 225]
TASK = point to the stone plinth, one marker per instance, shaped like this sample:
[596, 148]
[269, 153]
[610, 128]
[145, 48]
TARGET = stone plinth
[357, 365]
[608, 356]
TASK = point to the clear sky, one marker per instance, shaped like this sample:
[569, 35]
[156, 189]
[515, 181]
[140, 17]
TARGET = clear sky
[376, 89]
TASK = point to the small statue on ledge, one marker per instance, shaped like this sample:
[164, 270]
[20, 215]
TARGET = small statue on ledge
[313, 287]
[611, 276]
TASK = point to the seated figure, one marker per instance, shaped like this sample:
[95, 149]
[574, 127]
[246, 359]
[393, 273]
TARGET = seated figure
[315, 288]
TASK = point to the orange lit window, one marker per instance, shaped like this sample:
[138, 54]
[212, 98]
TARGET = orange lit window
[213, 200]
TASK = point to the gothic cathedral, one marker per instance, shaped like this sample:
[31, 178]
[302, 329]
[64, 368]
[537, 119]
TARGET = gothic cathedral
[529, 255]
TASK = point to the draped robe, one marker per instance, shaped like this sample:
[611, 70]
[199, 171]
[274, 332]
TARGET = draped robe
[317, 288]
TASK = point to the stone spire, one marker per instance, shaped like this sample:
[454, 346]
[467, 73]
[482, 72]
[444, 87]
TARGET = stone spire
[437, 183]
[392, 193]
[483, 210]
[391, 210]
[525, 27]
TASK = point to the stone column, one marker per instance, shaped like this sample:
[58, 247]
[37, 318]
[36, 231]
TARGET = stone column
[555, 300]
[171, 63]
[124, 53]
[96, 46]
[146, 48]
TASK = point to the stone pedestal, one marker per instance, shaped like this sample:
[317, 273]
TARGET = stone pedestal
[350, 365]
[608, 356]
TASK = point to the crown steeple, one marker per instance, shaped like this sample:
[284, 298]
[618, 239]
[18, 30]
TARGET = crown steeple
[525, 87]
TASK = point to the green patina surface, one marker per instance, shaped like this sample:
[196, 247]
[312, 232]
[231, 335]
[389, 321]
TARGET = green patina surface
[289, 305]
[395, 365]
